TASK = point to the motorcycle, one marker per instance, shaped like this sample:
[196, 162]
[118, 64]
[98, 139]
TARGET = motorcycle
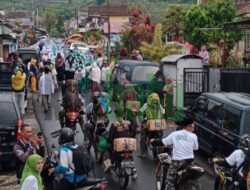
[186, 178]
[123, 162]
[225, 177]
[151, 130]
[96, 127]
[52, 181]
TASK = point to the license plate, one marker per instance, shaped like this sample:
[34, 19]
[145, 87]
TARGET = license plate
[128, 164]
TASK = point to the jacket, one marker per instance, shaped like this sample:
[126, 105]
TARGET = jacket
[66, 165]
[22, 151]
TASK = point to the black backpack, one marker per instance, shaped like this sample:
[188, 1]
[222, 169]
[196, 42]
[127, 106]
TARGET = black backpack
[82, 161]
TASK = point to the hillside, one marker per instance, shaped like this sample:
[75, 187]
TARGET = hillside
[154, 7]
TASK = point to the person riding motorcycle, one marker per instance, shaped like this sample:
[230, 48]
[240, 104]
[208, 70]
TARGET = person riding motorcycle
[154, 111]
[240, 159]
[66, 165]
[120, 128]
[72, 100]
[184, 143]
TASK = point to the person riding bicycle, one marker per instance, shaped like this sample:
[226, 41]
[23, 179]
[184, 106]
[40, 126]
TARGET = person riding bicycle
[240, 159]
[184, 143]
[120, 128]
[66, 165]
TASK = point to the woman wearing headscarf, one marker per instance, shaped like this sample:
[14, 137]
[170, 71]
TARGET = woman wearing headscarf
[204, 54]
[31, 178]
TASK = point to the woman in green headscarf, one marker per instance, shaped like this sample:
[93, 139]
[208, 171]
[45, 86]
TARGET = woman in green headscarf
[31, 178]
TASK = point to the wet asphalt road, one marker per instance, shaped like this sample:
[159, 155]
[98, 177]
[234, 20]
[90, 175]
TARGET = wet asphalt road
[145, 167]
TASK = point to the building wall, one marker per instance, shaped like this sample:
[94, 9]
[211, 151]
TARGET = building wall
[119, 19]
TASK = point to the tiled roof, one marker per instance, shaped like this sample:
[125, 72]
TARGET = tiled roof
[18, 15]
[114, 10]
[244, 10]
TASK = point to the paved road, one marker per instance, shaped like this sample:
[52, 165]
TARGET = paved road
[146, 168]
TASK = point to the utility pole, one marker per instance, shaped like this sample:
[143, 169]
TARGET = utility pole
[37, 15]
[77, 15]
[108, 8]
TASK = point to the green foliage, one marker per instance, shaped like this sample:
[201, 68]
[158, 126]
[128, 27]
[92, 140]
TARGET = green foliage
[50, 20]
[141, 29]
[55, 33]
[210, 15]
[157, 50]
[173, 22]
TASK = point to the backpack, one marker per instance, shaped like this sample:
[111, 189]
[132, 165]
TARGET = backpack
[82, 161]
[18, 81]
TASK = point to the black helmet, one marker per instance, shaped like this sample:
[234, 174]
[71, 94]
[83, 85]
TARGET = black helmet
[66, 136]
[244, 141]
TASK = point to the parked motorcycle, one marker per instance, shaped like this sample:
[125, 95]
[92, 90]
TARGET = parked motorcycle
[186, 179]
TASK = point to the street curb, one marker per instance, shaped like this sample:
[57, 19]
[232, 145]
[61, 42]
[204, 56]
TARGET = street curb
[39, 123]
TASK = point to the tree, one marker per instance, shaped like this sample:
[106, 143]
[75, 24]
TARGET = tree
[50, 20]
[157, 49]
[141, 29]
[173, 22]
[210, 15]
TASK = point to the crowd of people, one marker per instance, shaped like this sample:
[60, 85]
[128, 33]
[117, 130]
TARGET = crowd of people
[43, 78]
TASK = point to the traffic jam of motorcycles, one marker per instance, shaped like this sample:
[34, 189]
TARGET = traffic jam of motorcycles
[102, 127]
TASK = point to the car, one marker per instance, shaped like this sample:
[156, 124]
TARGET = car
[10, 125]
[82, 47]
[5, 76]
[145, 76]
[222, 118]
[27, 53]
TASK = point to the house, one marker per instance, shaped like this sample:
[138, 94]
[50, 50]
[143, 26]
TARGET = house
[243, 13]
[118, 15]
[25, 18]
[7, 40]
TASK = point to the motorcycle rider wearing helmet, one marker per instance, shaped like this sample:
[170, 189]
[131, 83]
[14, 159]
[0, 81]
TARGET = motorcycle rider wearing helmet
[184, 143]
[120, 128]
[65, 165]
[239, 158]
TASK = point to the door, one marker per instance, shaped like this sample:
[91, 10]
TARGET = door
[230, 129]
[209, 125]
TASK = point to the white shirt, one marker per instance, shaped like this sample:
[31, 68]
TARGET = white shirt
[30, 183]
[184, 143]
[236, 158]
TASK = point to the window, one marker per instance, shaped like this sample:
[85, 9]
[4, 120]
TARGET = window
[199, 104]
[213, 110]
[231, 121]
[247, 124]
[144, 73]
[8, 113]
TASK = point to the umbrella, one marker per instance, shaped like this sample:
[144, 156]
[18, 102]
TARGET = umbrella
[76, 37]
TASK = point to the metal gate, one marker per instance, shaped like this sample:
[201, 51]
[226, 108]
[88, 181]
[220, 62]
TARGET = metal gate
[196, 81]
[235, 80]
